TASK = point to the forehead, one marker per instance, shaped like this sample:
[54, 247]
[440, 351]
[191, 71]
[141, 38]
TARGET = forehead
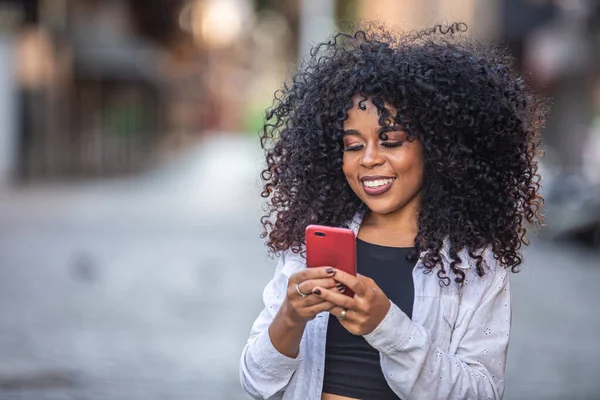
[363, 108]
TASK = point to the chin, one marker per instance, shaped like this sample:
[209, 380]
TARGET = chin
[383, 209]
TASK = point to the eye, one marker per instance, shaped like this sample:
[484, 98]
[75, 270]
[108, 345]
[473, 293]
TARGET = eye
[392, 136]
[392, 144]
[356, 147]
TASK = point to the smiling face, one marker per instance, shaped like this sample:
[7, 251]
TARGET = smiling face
[387, 175]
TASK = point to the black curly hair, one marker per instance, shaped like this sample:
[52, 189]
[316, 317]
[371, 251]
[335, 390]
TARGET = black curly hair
[477, 121]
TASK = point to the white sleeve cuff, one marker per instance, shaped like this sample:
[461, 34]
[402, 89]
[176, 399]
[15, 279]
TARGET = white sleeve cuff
[391, 333]
[270, 361]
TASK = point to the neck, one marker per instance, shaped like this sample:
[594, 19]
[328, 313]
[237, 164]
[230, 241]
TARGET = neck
[403, 220]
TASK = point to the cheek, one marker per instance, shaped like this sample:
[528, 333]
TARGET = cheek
[410, 169]
[346, 166]
[350, 173]
[417, 174]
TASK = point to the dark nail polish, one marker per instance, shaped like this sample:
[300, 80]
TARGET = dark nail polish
[330, 270]
[317, 291]
[340, 288]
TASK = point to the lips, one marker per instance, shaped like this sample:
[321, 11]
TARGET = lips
[377, 185]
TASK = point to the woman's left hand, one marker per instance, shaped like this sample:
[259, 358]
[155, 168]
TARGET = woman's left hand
[363, 312]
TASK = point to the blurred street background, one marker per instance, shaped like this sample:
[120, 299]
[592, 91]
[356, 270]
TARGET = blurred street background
[130, 260]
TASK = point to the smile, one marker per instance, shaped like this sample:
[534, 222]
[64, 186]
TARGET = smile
[377, 186]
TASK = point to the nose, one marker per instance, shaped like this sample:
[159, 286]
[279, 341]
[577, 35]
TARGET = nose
[372, 157]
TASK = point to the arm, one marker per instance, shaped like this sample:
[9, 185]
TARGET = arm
[415, 368]
[271, 355]
[264, 371]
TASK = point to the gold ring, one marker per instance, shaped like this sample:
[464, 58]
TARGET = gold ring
[299, 292]
[343, 315]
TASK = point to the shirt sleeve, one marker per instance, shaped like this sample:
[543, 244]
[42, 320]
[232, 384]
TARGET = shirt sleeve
[416, 369]
[264, 372]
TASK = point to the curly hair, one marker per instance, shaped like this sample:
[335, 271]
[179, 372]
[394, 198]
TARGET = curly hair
[476, 118]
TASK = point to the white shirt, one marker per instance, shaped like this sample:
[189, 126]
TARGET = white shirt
[453, 348]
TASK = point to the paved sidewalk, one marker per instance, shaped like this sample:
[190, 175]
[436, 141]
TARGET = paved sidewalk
[146, 289]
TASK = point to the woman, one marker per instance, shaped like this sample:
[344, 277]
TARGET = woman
[424, 144]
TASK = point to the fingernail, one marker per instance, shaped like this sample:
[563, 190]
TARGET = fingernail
[330, 270]
[340, 288]
[317, 291]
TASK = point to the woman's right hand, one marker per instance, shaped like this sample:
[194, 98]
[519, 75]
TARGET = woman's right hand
[296, 310]
[299, 310]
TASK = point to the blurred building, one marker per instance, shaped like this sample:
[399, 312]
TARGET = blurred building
[108, 87]
[92, 91]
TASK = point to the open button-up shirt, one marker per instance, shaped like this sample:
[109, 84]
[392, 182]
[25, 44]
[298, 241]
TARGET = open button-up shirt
[454, 347]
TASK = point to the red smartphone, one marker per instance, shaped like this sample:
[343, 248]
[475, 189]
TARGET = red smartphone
[331, 247]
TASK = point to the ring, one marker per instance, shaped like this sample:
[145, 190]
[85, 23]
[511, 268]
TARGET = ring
[299, 292]
[343, 315]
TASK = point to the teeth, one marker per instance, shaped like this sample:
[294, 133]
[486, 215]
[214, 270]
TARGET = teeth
[377, 183]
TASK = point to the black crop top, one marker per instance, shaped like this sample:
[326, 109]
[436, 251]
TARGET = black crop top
[352, 367]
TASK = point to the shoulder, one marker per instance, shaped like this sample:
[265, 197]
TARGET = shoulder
[495, 274]
[491, 265]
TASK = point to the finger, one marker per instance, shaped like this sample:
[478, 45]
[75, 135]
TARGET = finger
[368, 281]
[337, 312]
[370, 285]
[321, 307]
[351, 282]
[312, 273]
[298, 302]
[309, 285]
[334, 297]
[309, 302]
[306, 288]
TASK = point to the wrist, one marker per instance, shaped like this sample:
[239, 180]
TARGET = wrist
[290, 320]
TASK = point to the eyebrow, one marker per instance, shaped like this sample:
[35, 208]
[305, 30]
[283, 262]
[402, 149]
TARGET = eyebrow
[354, 132]
[351, 132]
